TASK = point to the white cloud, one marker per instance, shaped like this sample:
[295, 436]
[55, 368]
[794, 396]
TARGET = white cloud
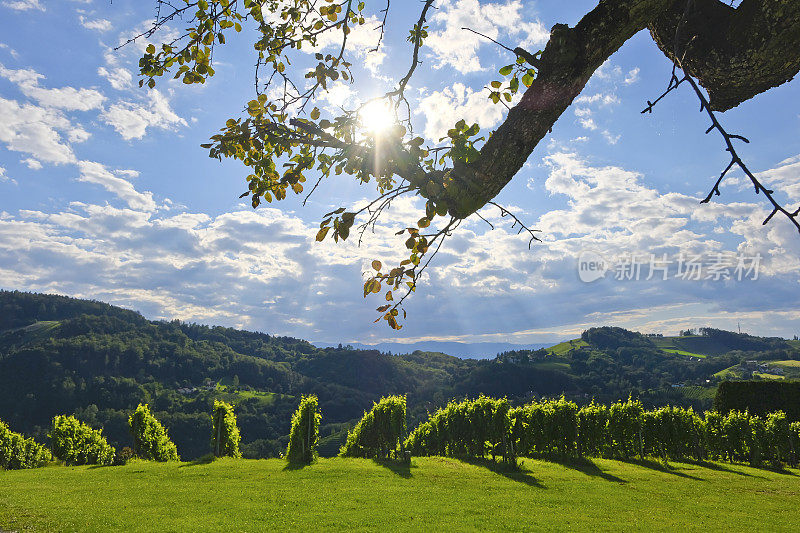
[362, 40]
[11, 51]
[5, 179]
[35, 130]
[442, 109]
[101, 25]
[68, 98]
[119, 78]
[632, 77]
[97, 173]
[32, 163]
[23, 5]
[610, 137]
[458, 48]
[131, 120]
[597, 98]
[338, 94]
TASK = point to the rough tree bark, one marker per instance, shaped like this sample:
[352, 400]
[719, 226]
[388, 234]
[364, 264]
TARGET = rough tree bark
[734, 53]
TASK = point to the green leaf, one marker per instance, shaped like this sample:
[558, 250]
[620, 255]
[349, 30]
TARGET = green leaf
[506, 70]
[527, 79]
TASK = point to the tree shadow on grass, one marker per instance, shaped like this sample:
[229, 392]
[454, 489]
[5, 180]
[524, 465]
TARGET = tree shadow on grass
[661, 467]
[507, 471]
[721, 468]
[780, 470]
[588, 467]
[400, 468]
[205, 460]
[295, 466]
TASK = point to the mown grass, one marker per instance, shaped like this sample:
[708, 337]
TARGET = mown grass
[434, 494]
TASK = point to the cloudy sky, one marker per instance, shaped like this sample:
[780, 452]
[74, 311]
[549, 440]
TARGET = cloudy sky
[105, 192]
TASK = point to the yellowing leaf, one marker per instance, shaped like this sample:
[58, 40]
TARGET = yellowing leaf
[322, 232]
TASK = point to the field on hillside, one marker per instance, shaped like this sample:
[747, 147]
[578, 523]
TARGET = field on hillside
[433, 494]
[689, 346]
[564, 347]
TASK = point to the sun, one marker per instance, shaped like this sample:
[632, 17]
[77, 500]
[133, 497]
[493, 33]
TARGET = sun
[376, 117]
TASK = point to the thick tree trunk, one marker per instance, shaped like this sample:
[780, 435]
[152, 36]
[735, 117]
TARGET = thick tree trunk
[734, 53]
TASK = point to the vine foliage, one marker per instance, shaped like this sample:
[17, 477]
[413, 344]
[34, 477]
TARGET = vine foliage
[304, 432]
[75, 443]
[18, 452]
[381, 431]
[225, 436]
[150, 438]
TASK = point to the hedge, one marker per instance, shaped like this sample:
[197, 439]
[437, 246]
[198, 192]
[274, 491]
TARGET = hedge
[759, 397]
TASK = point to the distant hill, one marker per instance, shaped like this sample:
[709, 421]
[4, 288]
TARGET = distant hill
[60, 355]
[470, 350]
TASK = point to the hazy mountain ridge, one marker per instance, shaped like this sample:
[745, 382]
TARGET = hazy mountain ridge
[469, 350]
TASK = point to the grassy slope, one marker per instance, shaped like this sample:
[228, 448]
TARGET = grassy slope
[690, 346]
[564, 347]
[791, 371]
[434, 494]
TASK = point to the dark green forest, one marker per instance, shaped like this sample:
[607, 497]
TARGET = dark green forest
[61, 355]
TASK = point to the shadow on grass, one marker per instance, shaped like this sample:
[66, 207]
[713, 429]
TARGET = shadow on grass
[721, 468]
[400, 468]
[95, 467]
[504, 470]
[295, 466]
[205, 460]
[588, 467]
[661, 467]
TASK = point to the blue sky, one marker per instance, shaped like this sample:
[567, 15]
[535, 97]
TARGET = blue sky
[105, 192]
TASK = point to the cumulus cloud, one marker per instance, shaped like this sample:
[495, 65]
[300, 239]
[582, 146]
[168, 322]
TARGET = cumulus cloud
[262, 269]
[131, 120]
[458, 48]
[36, 131]
[442, 109]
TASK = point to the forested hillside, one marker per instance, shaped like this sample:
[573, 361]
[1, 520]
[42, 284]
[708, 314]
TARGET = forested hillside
[61, 355]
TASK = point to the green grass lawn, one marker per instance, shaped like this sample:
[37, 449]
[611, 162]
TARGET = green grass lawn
[435, 494]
